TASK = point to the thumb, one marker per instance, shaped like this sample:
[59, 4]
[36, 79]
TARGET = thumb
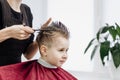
[46, 23]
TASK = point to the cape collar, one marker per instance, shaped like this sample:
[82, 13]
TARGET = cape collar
[45, 64]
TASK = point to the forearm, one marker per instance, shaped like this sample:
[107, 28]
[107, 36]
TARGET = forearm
[31, 50]
[4, 34]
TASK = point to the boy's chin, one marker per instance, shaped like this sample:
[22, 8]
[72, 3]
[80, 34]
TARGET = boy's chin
[60, 65]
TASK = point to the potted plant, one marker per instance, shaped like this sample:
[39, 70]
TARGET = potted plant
[108, 40]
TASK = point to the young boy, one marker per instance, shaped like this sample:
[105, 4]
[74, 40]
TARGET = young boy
[53, 42]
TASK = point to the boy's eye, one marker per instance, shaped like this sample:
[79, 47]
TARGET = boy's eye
[61, 50]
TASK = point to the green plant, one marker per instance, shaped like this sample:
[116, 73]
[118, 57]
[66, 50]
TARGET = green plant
[108, 41]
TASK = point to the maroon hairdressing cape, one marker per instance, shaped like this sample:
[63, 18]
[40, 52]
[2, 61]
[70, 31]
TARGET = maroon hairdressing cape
[32, 70]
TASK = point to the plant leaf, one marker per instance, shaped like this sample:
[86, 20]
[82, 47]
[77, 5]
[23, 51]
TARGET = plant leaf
[113, 32]
[98, 35]
[105, 29]
[90, 43]
[101, 31]
[115, 51]
[116, 58]
[118, 29]
[94, 50]
[104, 50]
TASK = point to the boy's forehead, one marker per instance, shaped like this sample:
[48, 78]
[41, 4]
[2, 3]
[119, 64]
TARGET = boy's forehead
[60, 40]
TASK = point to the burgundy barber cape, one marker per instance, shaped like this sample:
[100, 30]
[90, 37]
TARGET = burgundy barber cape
[32, 70]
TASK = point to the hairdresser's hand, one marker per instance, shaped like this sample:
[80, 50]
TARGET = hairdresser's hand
[20, 32]
[46, 23]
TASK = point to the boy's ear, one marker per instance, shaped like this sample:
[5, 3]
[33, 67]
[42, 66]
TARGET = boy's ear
[43, 49]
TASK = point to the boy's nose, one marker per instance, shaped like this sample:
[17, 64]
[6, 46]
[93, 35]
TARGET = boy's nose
[65, 56]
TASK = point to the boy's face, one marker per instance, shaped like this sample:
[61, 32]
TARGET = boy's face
[57, 53]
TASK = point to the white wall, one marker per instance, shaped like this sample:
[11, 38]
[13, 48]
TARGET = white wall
[38, 8]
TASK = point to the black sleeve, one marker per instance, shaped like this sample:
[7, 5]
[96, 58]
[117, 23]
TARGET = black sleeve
[29, 14]
[1, 23]
[30, 17]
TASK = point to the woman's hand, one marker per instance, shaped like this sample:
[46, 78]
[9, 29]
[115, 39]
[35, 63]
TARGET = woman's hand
[19, 32]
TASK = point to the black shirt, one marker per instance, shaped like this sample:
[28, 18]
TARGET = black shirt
[12, 49]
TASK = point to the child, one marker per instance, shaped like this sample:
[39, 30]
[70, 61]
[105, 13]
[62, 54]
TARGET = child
[53, 42]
